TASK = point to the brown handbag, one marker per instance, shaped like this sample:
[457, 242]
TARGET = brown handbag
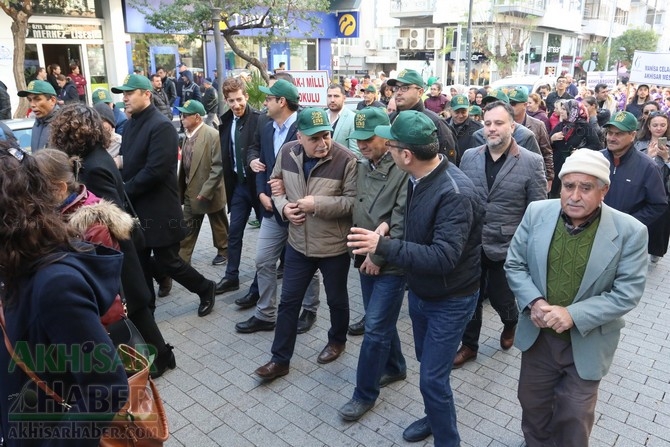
[141, 422]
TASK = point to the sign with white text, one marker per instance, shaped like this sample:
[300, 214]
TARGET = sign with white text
[650, 68]
[312, 87]
[594, 78]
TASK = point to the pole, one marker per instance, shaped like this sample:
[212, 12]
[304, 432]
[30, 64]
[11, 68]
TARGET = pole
[468, 48]
[218, 46]
[609, 37]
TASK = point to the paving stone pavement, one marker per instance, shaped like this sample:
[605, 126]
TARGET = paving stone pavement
[214, 399]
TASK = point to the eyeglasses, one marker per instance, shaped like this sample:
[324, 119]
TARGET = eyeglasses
[654, 114]
[186, 115]
[270, 97]
[394, 146]
[513, 103]
[404, 88]
[17, 153]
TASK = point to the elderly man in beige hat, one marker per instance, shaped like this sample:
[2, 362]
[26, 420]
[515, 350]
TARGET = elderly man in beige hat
[576, 267]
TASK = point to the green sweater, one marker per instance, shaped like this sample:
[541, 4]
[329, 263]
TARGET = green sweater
[568, 256]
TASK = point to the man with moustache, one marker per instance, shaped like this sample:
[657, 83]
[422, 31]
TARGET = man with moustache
[464, 126]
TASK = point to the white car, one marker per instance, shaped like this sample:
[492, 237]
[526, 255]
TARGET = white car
[22, 129]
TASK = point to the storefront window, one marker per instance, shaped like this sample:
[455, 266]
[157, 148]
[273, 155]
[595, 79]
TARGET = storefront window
[72, 8]
[156, 50]
[303, 54]
[96, 66]
[31, 63]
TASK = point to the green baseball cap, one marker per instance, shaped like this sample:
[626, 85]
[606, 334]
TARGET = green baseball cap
[370, 88]
[313, 120]
[37, 88]
[518, 94]
[432, 80]
[282, 89]
[120, 105]
[410, 127]
[475, 110]
[407, 76]
[495, 95]
[102, 95]
[459, 102]
[191, 107]
[365, 122]
[133, 82]
[625, 121]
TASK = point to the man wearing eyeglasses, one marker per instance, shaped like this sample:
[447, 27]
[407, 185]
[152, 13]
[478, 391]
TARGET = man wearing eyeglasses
[637, 186]
[561, 92]
[440, 254]
[42, 98]
[409, 89]
[149, 149]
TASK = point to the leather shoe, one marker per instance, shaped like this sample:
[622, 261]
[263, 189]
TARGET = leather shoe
[271, 371]
[164, 360]
[331, 352]
[207, 300]
[417, 430]
[248, 300]
[354, 409]
[463, 356]
[357, 328]
[387, 379]
[507, 337]
[164, 286]
[227, 285]
[254, 324]
[306, 321]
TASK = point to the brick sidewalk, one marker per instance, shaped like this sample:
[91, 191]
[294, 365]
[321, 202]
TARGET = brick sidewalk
[214, 399]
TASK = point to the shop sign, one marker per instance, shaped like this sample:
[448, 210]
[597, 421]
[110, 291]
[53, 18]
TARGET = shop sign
[60, 31]
[650, 68]
[594, 78]
[312, 86]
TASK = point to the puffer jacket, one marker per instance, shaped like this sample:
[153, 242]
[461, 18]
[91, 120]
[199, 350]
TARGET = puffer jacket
[521, 180]
[332, 182]
[382, 193]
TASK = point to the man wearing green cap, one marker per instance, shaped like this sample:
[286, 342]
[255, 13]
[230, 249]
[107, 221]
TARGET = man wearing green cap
[102, 95]
[408, 88]
[440, 254]
[201, 181]
[382, 190]
[150, 149]
[637, 186]
[464, 126]
[43, 102]
[369, 98]
[314, 186]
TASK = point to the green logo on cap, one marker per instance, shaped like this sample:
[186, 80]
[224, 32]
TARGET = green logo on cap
[620, 117]
[460, 100]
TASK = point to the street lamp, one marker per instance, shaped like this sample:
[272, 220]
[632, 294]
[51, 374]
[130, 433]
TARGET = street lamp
[347, 59]
[618, 62]
[218, 46]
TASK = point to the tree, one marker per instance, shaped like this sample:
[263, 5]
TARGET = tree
[194, 17]
[19, 12]
[631, 40]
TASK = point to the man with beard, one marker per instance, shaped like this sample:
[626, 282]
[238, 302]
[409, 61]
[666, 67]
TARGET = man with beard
[341, 118]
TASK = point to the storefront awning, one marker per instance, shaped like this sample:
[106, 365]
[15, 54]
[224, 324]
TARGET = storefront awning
[344, 5]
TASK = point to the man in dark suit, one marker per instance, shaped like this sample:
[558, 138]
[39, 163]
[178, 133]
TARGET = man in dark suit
[280, 128]
[236, 132]
[149, 152]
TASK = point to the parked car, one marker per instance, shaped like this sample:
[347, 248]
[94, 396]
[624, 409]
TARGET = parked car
[22, 129]
[531, 82]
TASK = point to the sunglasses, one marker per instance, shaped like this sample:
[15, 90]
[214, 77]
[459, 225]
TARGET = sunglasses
[654, 114]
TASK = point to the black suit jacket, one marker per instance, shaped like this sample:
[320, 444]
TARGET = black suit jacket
[149, 149]
[247, 125]
[268, 158]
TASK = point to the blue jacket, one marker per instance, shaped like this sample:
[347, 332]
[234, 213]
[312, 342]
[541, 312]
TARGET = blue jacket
[637, 186]
[58, 308]
[42, 131]
[441, 250]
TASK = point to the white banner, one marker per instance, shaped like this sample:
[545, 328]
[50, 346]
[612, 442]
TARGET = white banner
[594, 78]
[650, 68]
[312, 87]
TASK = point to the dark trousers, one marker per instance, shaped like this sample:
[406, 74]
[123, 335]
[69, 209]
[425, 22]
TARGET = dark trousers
[557, 405]
[298, 272]
[241, 205]
[493, 285]
[168, 262]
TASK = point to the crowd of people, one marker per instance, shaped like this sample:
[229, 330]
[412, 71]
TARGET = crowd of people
[531, 200]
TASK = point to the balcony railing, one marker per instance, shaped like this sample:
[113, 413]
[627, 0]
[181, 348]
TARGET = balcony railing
[409, 8]
[521, 7]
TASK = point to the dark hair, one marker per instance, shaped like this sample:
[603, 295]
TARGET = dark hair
[78, 130]
[590, 100]
[231, 85]
[651, 103]
[600, 87]
[492, 105]
[73, 66]
[30, 228]
[57, 166]
[338, 87]
[424, 152]
[51, 68]
[283, 75]
[438, 84]
[644, 133]
[155, 75]
[292, 105]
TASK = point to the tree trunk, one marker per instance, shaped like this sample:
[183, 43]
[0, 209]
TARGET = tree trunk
[19, 30]
[252, 60]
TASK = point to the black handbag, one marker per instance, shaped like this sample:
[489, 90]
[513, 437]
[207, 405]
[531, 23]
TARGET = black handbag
[124, 332]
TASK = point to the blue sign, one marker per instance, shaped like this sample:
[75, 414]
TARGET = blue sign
[347, 24]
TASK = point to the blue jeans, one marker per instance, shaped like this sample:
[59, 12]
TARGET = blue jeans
[380, 351]
[438, 326]
[298, 273]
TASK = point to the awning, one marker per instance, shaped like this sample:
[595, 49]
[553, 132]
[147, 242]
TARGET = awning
[344, 5]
